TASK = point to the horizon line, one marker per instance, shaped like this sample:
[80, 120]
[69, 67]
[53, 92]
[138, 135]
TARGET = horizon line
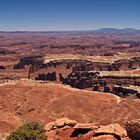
[73, 30]
[82, 30]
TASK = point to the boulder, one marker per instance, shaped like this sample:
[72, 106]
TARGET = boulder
[114, 129]
[133, 129]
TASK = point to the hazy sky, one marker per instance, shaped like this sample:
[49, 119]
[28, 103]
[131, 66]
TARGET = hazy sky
[68, 14]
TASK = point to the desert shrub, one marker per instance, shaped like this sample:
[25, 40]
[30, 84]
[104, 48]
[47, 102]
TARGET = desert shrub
[57, 132]
[29, 131]
[57, 138]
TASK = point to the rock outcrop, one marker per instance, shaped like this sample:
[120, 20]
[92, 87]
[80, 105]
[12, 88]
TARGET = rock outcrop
[133, 129]
[66, 129]
[34, 61]
[124, 91]
[48, 76]
[59, 124]
[116, 84]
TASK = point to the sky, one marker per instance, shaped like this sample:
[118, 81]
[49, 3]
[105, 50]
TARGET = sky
[63, 15]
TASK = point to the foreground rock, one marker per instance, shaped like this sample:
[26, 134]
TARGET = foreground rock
[133, 128]
[59, 123]
[28, 100]
[66, 129]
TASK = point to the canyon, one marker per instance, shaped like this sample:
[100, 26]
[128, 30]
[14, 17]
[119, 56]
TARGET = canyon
[92, 78]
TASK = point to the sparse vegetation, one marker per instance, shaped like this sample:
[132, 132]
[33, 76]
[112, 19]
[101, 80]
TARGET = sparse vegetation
[57, 132]
[29, 131]
[57, 138]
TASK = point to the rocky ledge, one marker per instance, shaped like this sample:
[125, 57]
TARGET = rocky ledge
[66, 129]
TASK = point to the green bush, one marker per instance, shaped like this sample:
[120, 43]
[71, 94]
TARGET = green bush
[29, 131]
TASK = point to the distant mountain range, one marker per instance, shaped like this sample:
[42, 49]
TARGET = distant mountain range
[102, 30]
[115, 30]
